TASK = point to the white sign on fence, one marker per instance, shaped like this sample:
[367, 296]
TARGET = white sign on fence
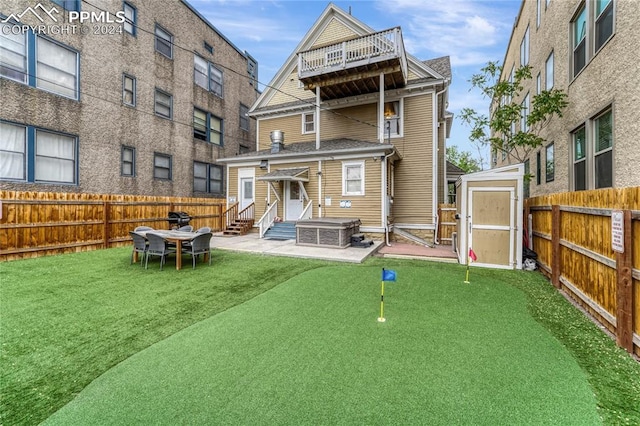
[617, 231]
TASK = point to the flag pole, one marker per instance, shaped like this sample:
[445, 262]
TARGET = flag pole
[381, 317]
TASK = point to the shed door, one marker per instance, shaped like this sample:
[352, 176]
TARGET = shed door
[492, 225]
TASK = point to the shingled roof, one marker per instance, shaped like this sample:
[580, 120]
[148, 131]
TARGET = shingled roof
[440, 65]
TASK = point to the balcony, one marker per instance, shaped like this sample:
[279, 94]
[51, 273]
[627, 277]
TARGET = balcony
[353, 67]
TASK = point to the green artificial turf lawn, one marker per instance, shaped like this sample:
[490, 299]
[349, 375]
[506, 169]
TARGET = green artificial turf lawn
[311, 351]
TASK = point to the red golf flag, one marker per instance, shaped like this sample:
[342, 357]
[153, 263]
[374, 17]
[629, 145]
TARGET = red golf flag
[472, 255]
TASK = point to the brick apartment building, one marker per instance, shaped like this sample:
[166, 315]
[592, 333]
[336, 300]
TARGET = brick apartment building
[587, 48]
[140, 100]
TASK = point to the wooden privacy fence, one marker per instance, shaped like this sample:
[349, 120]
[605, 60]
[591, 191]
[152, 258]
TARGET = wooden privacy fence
[574, 235]
[446, 223]
[35, 224]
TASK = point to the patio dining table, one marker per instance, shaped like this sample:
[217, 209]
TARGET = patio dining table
[173, 236]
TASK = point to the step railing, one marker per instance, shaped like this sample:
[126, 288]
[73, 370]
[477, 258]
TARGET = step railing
[245, 217]
[307, 212]
[267, 219]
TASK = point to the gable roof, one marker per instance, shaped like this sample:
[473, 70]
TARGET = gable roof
[427, 72]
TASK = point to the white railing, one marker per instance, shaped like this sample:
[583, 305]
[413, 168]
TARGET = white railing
[340, 55]
[268, 218]
[306, 213]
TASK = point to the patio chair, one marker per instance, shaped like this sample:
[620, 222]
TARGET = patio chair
[139, 246]
[143, 228]
[201, 244]
[157, 247]
[203, 230]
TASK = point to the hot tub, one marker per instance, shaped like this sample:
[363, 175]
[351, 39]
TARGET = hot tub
[326, 231]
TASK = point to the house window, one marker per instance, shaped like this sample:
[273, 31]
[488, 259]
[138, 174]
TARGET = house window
[164, 42]
[244, 117]
[524, 48]
[353, 178]
[163, 104]
[579, 159]
[161, 166]
[603, 150]
[128, 161]
[308, 122]
[13, 54]
[201, 72]
[13, 150]
[73, 5]
[207, 178]
[56, 68]
[392, 119]
[208, 47]
[207, 127]
[579, 36]
[538, 168]
[128, 90]
[36, 155]
[549, 72]
[215, 81]
[604, 22]
[130, 13]
[524, 126]
[252, 71]
[550, 167]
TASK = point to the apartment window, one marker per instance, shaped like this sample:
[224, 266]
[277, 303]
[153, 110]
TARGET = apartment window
[13, 54]
[207, 178]
[524, 48]
[56, 68]
[353, 178]
[538, 84]
[579, 159]
[524, 126]
[201, 72]
[579, 31]
[392, 119]
[207, 127]
[208, 47]
[603, 150]
[549, 72]
[130, 13]
[538, 13]
[13, 151]
[55, 157]
[73, 5]
[161, 166]
[164, 42]
[163, 104]
[604, 22]
[244, 117]
[128, 90]
[128, 161]
[550, 166]
[308, 122]
[252, 71]
[215, 81]
[538, 168]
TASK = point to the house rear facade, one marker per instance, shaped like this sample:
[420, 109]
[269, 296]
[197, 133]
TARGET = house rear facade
[142, 98]
[351, 126]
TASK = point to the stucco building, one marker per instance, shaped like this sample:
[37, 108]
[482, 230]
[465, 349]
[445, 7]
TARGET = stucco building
[588, 49]
[133, 97]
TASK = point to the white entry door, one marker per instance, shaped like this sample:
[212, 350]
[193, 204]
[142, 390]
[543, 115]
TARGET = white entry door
[246, 189]
[293, 200]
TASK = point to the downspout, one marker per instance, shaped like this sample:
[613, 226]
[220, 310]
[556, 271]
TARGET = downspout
[385, 201]
[317, 118]
[435, 162]
[319, 188]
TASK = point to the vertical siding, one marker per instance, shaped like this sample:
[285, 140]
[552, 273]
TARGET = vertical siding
[413, 200]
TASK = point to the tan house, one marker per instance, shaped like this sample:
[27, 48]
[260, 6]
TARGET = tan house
[351, 126]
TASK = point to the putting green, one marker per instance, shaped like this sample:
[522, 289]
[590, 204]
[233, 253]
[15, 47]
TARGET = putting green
[311, 351]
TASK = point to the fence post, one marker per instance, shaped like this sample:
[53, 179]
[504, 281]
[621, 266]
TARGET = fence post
[624, 289]
[555, 246]
[106, 233]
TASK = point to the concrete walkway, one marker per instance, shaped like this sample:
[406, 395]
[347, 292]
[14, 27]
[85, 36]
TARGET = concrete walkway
[253, 244]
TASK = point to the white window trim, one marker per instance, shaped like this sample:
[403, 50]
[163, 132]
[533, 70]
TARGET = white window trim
[304, 122]
[400, 133]
[346, 164]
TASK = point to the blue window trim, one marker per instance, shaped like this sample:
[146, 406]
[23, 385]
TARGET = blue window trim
[134, 23]
[170, 157]
[73, 5]
[170, 104]
[133, 161]
[155, 41]
[30, 155]
[209, 167]
[208, 125]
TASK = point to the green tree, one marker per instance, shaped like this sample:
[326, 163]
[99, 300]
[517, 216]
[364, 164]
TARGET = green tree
[503, 131]
[462, 159]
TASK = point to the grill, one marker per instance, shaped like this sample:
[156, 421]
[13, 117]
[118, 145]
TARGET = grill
[178, 219]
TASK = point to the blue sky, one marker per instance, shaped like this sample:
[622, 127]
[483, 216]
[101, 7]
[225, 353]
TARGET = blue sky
[471, 32]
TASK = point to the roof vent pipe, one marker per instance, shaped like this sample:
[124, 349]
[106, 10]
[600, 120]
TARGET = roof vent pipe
[277, 141]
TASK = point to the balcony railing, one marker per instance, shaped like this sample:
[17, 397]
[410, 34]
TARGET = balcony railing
[373, 48]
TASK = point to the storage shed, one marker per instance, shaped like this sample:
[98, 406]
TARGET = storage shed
[489, 217]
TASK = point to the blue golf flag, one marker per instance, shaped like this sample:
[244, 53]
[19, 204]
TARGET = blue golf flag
[388, 275]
